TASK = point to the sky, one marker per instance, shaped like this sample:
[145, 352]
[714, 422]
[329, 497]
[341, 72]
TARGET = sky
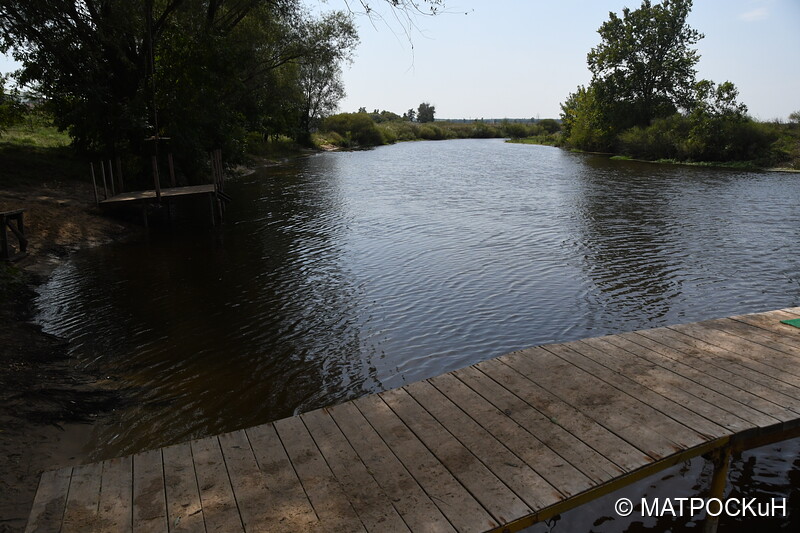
[521, 58]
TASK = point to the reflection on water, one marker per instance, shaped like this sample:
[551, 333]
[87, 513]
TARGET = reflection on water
[347, 273]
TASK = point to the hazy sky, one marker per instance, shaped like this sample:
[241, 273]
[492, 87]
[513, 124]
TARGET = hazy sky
[520, 58]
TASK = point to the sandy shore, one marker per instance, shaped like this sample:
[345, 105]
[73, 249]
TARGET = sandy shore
[45, 403]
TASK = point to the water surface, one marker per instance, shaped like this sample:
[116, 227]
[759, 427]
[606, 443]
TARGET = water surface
[347, 273]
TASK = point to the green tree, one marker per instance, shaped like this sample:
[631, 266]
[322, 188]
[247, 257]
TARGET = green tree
[331, 41]
[425, 112]
[10, 109]
[644, 66]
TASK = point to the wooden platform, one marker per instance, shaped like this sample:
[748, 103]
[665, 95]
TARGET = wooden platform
[503, 443]
[169, 192]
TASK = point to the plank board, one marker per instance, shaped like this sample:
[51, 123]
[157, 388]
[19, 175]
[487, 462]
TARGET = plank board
[501, 443]
[169, 192]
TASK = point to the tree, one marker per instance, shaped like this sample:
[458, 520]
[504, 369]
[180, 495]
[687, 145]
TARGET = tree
[10, 109]
[410, 115]
[643, 67]
[425, 112]
[332, 40]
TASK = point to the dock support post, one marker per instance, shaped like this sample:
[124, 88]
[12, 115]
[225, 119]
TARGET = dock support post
[213, 215]
[111, 178]
[721, 459]
[103, 173]
[156, 181]
[94, 183]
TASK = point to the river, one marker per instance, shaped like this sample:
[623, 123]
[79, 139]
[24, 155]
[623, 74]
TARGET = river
[346, 273]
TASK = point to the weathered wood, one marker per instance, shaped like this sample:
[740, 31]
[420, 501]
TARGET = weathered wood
[690, 403]
[497, 445]
[116, 495]
[326, 495]
[609, 444]
[375, 510]
[511, 470]
[485, 487]
[579, 454]
[149, 494]
[248, 483]
[220, 512]
[410, 500]
[704, 373]
[47, 512]
[94, 184]
[756, 370]
[184, 511]
[136, 196]
[453, 500]
[561, 475]
[289, 508]
[83, 499]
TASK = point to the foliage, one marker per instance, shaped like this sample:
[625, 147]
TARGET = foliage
[355, 129]
[425, 112]
[10, 108]
[584, 121]
[643, 67]
[203, 73]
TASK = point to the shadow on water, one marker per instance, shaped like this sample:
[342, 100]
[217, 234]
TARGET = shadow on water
[347, 273]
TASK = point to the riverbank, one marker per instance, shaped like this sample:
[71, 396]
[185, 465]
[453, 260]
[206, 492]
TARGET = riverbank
[45, 402]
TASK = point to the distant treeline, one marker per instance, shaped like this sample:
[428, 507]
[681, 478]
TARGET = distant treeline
[354, 130]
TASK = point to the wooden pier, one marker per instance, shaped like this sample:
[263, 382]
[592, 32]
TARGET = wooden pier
[496, 446]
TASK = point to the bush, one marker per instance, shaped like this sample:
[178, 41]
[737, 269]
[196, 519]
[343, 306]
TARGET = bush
[357, 128]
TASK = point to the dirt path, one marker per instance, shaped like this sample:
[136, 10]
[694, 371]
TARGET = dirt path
[45, 403]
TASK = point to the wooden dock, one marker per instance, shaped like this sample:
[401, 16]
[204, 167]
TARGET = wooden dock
[496, 446]
[170, 192]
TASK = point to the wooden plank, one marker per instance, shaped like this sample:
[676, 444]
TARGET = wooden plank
[685, 396]
[770, 331]
[83, 498]
[580, 455]
[516, 473]
[149, 494]
[371, 504]
[416, 508]
[220, 512]
[788, 366]
[649, 430]
[701, 370]
[647, 382]
[545, 461]
[606, 443]
[116, 495]
[184, 510]
[490, 491]
[50, 501]
[248, 484]
[329, 501]
[289, 508]
[755, 370]
[455, 502]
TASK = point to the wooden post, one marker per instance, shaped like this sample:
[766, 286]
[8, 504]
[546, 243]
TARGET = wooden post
[111, 178]
[156, 181]
[721, 459]
[213, 216]
[94, 183]
[119, 173]
[171, 170]
[103, 173]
